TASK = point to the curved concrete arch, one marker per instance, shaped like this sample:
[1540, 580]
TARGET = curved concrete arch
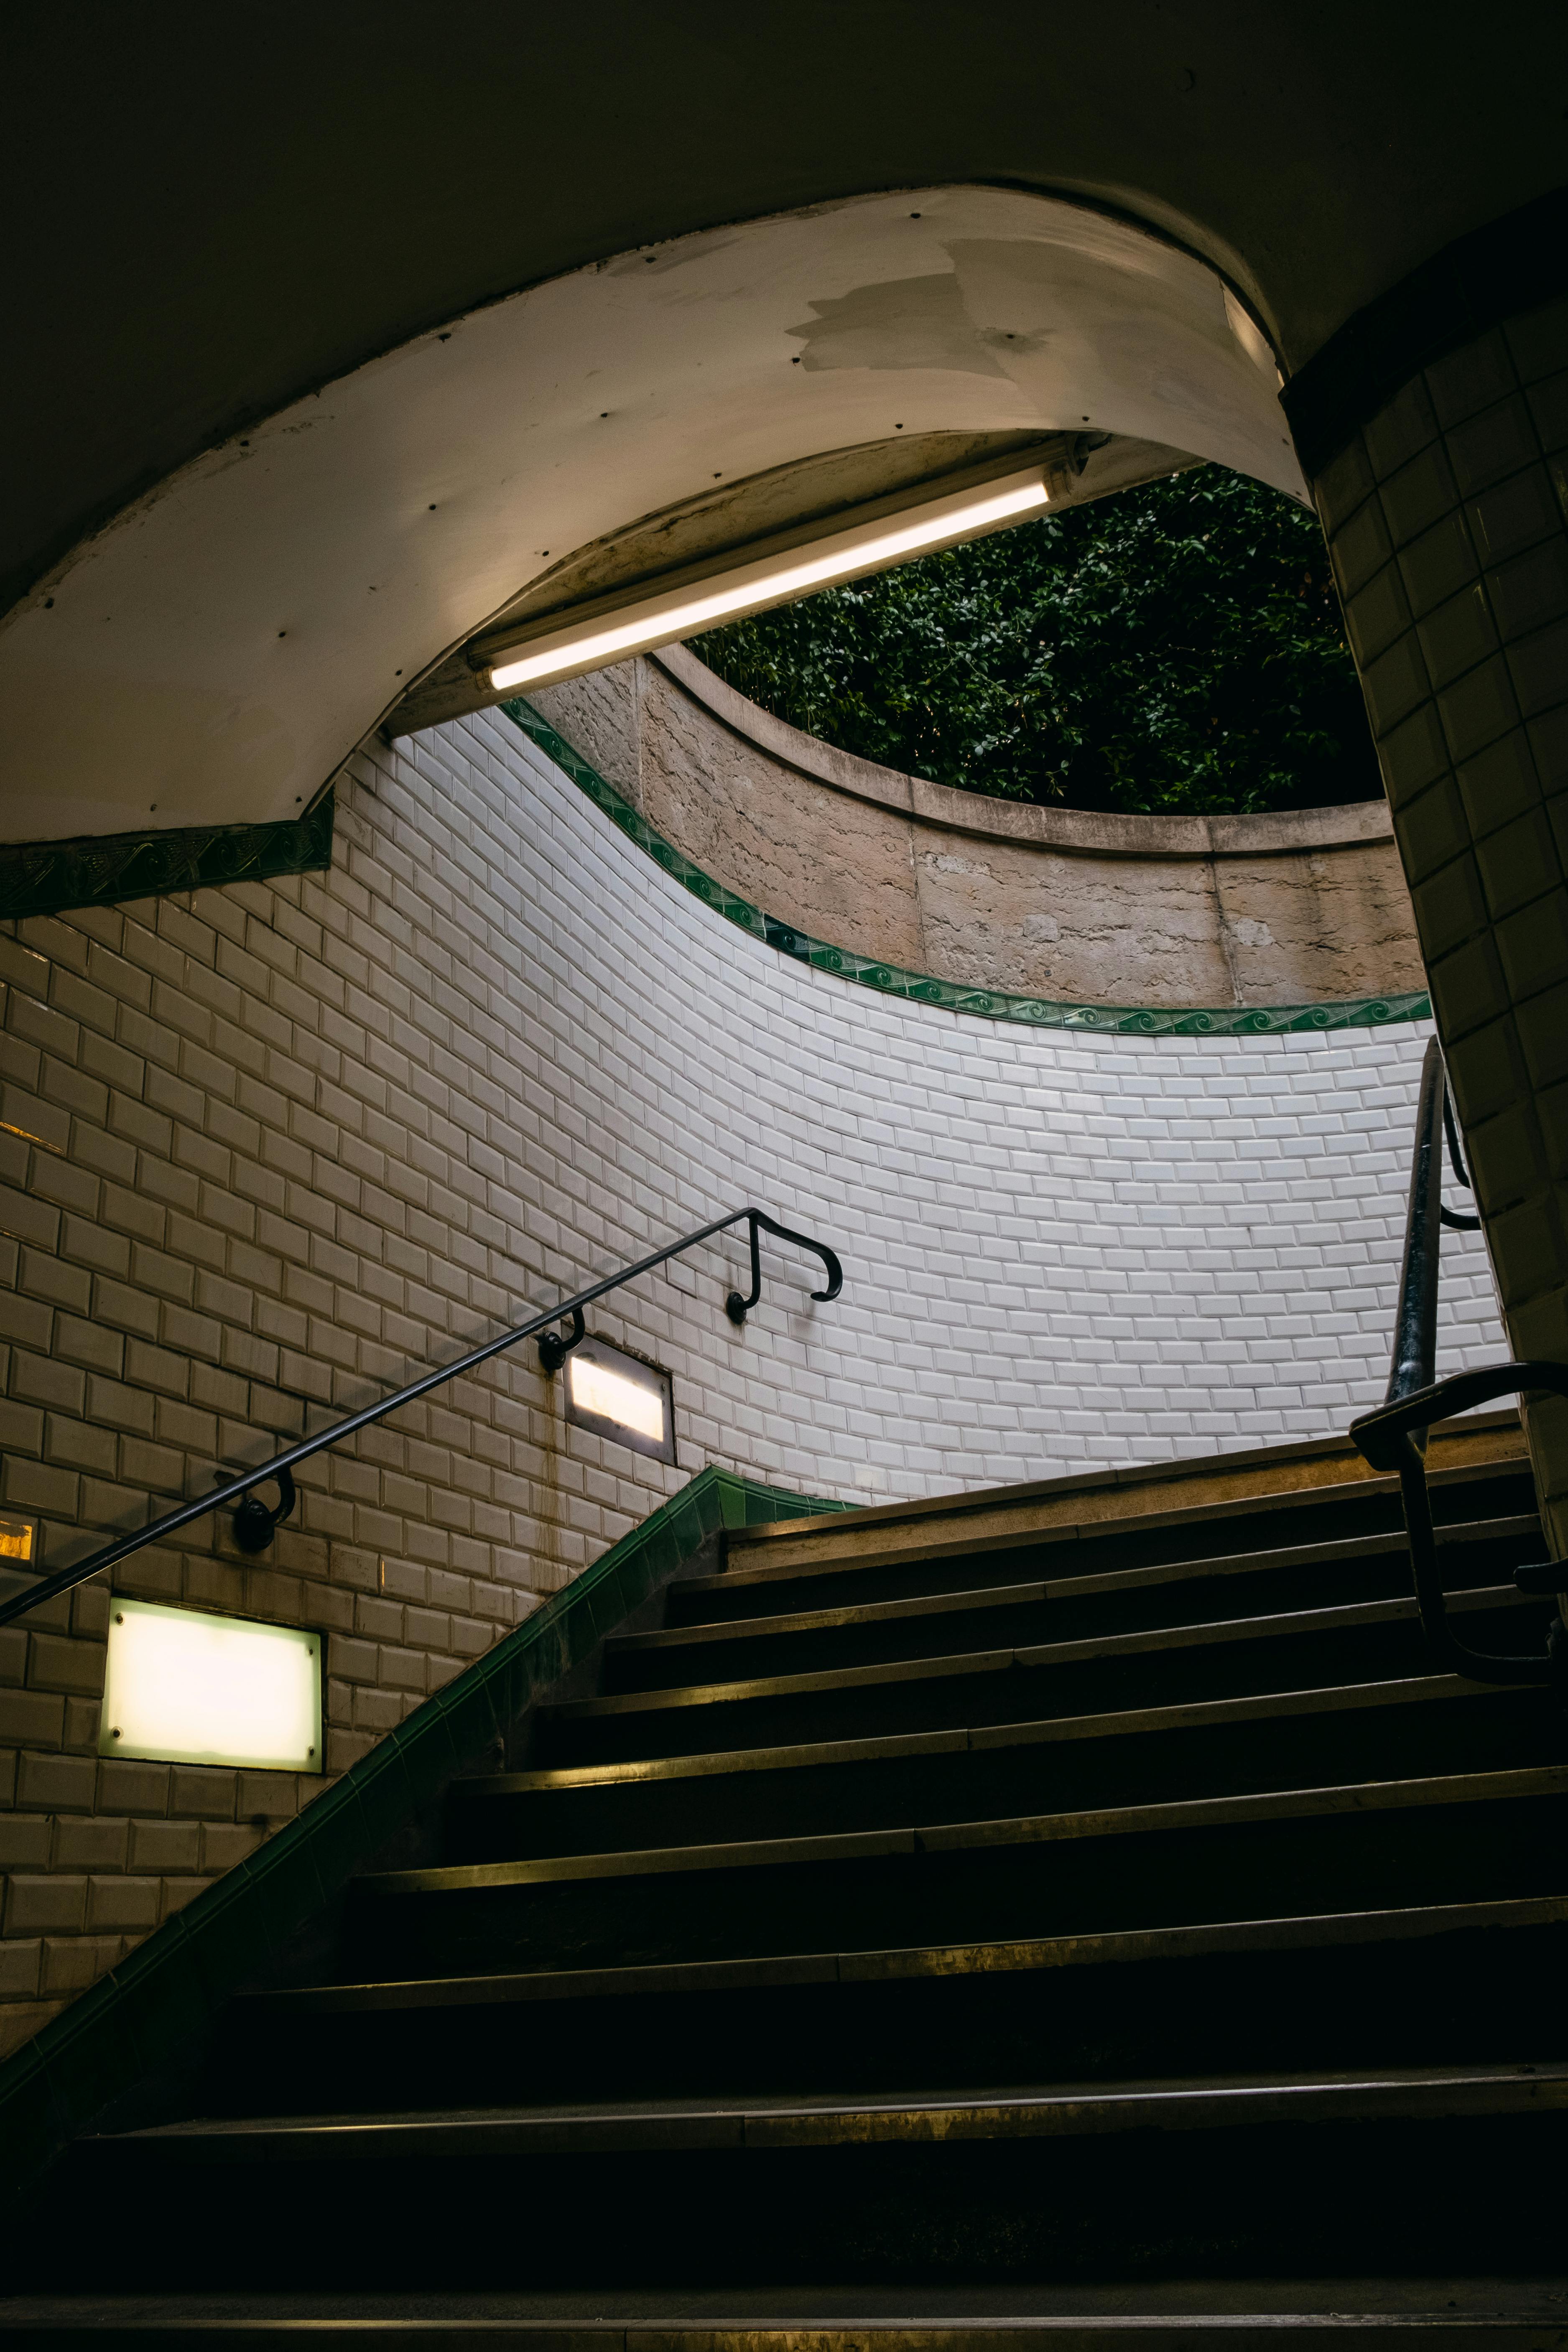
[217, 652]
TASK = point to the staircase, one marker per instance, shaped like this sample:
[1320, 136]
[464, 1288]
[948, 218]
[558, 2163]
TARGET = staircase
[1078, 1904]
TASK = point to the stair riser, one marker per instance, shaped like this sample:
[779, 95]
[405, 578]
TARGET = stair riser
[1371, 2004]
[1300, 1522]
[1427, 1854]
[1018, 1694]
[1436, 1736]
[1075, 1617]
[1379, 2198]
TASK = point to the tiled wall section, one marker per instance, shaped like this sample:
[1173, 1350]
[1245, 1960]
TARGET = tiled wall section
[1446, 524]
[268, 1149]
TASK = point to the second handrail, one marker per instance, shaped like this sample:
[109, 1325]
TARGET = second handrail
[1393, 1437]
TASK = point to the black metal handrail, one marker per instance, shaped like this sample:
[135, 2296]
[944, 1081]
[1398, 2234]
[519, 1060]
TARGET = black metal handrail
[254, 1523]
[1393, 1437]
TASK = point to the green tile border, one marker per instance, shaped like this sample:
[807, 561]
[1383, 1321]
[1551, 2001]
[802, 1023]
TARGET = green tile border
[136, 2019]
[49, 877]
[920, 988]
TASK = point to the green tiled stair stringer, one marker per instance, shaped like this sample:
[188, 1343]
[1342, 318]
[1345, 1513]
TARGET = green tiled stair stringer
[136, 2018]
[921, 988]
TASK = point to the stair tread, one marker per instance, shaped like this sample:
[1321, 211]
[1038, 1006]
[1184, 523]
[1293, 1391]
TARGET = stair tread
[903, 1547]
[1108, 1580]
[1343, 1617]
[890, 1747]
[1118, 1947]
[869, 1970]
[984, 2112]
[1196, 1812]
[1500, 1428]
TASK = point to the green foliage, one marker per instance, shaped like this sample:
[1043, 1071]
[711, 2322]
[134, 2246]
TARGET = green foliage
[1176, 648]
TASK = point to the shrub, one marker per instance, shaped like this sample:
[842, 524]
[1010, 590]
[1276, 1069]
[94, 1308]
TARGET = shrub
[1176, 648]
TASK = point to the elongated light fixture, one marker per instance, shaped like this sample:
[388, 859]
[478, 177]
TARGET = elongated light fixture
[659, 617]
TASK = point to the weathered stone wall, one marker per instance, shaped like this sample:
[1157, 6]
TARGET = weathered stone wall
[1057, 903]
[269, 1150]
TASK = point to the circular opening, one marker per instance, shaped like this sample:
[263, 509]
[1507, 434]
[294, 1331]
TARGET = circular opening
[1175, 648]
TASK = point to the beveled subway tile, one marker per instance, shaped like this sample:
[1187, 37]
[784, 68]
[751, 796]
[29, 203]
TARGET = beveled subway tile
[1414, 498]
[1549, 407]
[1395, 684]
[1458, 636]
[1344, 485]
[1519, 862]
[1413, 755]
[1360, 548]
[1505, 520]
[1439, 563]
[1471, 378]
[1533, 946]
[1543, 1026]
[1399, 431]
[1478, 707]
[1539, 667]
[1532, 591]
[1376, 615]
[1500, 784]
[1538, 338]
[1469, 988]
[1451, 906]
[1487, 448]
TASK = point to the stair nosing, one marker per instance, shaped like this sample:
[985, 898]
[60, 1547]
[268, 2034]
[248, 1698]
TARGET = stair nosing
[900, 1746]
[1028, 1657]
[1175, 1467]
[1019, 1955]
[908, 1552]
[1037, 1590]
[1067, 2110]
[1179, 1814]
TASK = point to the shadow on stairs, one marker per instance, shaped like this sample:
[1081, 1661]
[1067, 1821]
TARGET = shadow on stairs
[1078, 1907]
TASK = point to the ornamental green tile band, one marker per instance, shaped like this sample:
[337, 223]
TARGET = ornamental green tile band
[49, 877]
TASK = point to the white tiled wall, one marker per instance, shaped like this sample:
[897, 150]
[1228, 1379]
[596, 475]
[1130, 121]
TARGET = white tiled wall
[1057, 1251]
[266, 1151]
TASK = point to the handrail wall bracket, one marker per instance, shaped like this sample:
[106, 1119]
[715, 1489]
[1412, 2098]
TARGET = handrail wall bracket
[253, 1525]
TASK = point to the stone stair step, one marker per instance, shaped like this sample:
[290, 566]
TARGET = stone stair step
[1202, 1747]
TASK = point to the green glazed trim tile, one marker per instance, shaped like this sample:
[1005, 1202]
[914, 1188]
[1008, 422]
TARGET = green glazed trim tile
[47, 878]
[183, 1972]
[922, 988]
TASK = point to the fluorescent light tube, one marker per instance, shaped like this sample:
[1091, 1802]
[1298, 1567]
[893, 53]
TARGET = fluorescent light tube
[661, 618]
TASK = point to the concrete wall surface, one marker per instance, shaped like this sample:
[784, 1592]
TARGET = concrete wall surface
[1297, 908]
[267, 1150]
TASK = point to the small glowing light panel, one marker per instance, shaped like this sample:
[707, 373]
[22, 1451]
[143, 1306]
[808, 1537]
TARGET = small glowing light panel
[620, 1398]
[17, 1537]
[190, 1688]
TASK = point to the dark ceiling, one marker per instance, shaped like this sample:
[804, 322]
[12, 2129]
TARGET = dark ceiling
[212, 211]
